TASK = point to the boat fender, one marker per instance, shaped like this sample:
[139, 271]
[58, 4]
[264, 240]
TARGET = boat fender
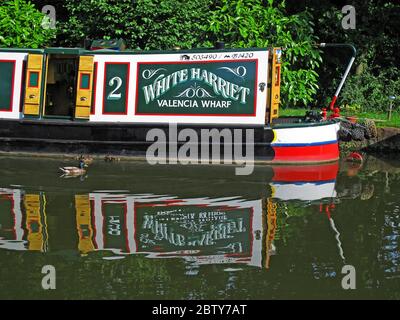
[354, 131]
[313, 116]
[354, 157]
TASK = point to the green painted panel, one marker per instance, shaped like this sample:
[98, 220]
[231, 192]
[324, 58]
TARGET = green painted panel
[85, 81]
[210, 230]
[114, 226]
[7, 223]
[6, 84]
[33, 79]
[115, 91]
[219, 88]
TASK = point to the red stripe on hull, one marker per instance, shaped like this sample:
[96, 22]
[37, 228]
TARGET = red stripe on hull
[325, 152]
[311, 173]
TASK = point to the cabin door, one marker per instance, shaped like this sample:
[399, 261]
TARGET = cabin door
[33, 87]
[84, 87]
[275, 83]
[60, 85]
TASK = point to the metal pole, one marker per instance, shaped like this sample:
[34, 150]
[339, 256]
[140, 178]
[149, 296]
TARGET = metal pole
[346, 73]
[390, 110]
[391, 98]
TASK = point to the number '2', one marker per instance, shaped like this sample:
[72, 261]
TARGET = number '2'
[113, 95]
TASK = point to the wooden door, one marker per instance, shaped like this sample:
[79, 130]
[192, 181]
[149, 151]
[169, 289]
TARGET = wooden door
[84, 87]
[33, 87]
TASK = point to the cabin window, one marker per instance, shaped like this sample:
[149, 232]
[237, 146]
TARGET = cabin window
[116, 84]
[7, 72]
[33, 79]
[85, 81]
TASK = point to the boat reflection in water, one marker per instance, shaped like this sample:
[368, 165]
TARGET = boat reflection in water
[22, 221]
[224, 230]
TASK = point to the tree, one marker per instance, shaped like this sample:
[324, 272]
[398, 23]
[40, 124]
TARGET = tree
[144, 24]
[254, 23]
[23, 26]
[375, 74]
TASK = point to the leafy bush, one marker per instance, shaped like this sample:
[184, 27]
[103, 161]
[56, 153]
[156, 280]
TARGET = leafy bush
[376, 40]
[22, 25]
[370, 91]
[164, 24]
[254, 23]
[144, 24]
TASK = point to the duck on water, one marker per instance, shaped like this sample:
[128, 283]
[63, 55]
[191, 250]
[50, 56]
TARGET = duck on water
[75, 171]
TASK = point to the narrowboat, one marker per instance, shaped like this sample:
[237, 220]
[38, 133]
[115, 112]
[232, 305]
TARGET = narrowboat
[98, 100]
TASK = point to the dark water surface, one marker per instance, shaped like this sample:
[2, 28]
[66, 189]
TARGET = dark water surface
[135, 231]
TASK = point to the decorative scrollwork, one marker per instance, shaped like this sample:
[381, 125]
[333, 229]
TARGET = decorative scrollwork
[149, 73]
[194, 91]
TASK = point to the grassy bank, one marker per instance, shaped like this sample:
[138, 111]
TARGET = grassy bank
[379, 118]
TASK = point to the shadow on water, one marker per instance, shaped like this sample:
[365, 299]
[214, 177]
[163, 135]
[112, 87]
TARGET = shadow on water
[135, 231]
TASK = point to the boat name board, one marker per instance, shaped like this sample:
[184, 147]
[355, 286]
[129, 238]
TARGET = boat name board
[224, 87]
[193, 228]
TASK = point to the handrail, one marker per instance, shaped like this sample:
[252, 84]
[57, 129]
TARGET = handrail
[346, 73]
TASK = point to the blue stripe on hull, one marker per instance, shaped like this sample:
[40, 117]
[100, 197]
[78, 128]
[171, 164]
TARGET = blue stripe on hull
[303, 144]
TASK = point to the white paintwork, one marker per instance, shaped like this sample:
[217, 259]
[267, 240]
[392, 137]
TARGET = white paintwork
[282, 191]
[18, 76]
[18, 243]
[133, 60]
[306, 135]
[303, 191]
[346, 73]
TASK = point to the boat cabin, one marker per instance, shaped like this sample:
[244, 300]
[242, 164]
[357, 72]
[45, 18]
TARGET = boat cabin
[105, 101]
[106, 85]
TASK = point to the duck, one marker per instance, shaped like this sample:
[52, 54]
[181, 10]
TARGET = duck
[109, 158]
[75, 171]
[85, 158]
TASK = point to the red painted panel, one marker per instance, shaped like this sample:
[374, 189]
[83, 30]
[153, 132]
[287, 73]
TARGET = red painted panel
[92, 108]
[325, 152]
[312, 173]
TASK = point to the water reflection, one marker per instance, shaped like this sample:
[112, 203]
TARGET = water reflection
[277, 233]
[201, 230]
[22, 221]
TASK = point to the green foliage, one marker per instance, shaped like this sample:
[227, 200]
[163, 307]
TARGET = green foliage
[376, 33]
[144, 24]
[164, 24]
[254, 23]
[352, 108]
[380, 117]
[21, 25]
[376, 40]
[370, 91]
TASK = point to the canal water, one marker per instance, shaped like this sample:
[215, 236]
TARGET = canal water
[129, 230]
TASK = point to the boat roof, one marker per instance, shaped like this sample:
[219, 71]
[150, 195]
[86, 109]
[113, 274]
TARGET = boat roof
[82, 51]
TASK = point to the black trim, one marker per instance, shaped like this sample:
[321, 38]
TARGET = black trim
[55, 136]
